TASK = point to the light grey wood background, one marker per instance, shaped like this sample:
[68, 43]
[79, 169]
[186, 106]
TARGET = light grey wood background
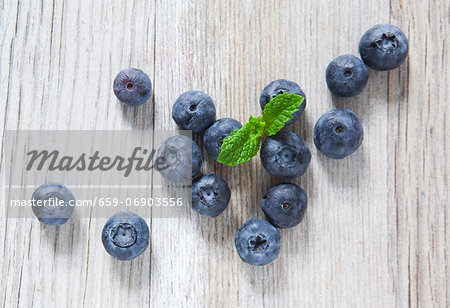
[376, 229]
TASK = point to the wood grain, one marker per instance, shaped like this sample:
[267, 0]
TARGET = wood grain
[375, 234]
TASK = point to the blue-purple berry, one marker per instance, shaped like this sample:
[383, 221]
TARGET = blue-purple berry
[178, 159]
[216, 133]
[346, 76]
[285, 205]
[53, 204]
[194, 110]
[125, 236]
[338, 133]
[257, 242]
[282, 86]
[383, 47]
[285, 155]
[132, 87]
[210, 195]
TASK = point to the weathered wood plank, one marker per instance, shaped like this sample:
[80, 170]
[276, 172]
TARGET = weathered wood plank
[375, 233]
[340, 248]
[58, 61]
[418, 138]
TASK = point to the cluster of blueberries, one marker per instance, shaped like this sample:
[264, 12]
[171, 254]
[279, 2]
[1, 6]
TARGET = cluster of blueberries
[337, 134]
[382, 47]
[125, 235]
[284, 154]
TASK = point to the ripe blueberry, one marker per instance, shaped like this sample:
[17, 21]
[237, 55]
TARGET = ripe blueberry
[257, 242]
[210, 195]
[216, 133]
[178, 159]
[125, 236]
[383, 47]
[53, 204]
[132, 87]
[346, 76]
[285, 205]
[278, 87]
[338, 133]
[194, 110]
[285, 155]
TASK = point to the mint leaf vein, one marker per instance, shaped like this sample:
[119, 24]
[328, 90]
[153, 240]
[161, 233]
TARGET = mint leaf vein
[279, 110]
[242, 144]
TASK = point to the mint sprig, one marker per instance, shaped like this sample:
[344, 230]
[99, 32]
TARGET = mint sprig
[242, 144]
[279, 110]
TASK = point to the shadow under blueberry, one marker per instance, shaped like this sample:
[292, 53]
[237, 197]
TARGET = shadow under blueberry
[343, 172]
[302, 127]
[219, 230]
[375, 92]
[64, 237]
[293, 240]
[140, 117]
[215, 231]
[267, 275]
[131, 275]
[373, 100]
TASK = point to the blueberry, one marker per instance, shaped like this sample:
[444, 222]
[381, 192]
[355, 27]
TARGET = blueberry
[132, 87]
[125, 236]
[53, 204]
[383, 47]
[210, 195]
[346, 76]
[257, 242]
[178, 159]
[216, 133]
[285, 205]
[194, 110]
[338, 133]
[278, 87]
[285, 154]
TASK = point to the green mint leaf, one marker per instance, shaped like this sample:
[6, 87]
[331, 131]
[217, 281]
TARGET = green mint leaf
[279, 110]
[242, 144]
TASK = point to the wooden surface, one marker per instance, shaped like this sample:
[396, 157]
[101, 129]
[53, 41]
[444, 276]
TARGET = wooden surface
[375, 233]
